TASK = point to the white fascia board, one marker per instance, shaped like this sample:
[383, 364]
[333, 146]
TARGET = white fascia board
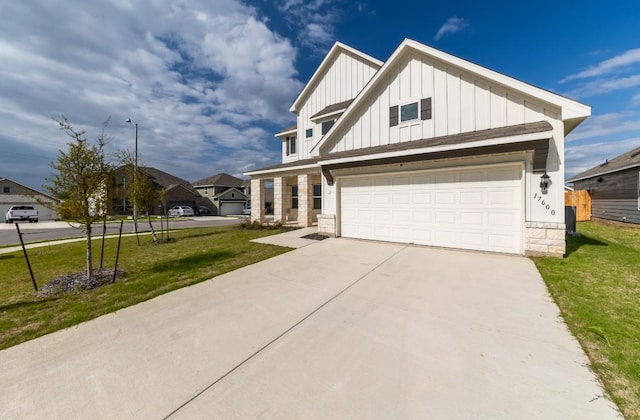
[287, 132]
[276, 170]
[624, 168]
[321, 68]
[442, 148]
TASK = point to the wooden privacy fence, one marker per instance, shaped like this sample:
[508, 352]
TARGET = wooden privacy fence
[581, 200]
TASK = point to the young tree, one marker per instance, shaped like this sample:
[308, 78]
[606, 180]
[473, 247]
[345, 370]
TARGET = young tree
[139, 188]
[81, 180]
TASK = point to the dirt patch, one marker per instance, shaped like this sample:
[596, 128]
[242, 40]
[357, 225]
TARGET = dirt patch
[315, 236]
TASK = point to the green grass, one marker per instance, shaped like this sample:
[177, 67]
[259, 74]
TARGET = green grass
[151, 270]
[597, 287]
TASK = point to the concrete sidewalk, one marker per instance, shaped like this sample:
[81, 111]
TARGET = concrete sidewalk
[338, 329]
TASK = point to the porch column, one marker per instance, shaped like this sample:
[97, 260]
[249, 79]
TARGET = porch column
[278, 199]
[257, 200]
[305, 200]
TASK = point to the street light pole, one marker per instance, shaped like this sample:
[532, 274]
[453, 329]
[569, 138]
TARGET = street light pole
[135, 185]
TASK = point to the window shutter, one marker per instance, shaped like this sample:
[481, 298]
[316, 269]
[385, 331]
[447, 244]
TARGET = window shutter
[425, 109]
[393, 116]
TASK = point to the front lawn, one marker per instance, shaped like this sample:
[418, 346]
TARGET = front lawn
[151, 270]
[597, 287]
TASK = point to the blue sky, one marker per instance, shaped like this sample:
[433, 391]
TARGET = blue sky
[210, 82]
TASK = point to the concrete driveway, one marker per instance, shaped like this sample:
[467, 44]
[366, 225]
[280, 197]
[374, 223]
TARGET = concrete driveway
[338, 329]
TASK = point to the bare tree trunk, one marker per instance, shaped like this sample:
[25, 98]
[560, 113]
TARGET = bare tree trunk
[89, 256]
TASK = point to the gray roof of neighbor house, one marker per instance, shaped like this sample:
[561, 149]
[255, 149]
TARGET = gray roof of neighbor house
[628, 160]
[220, 180]
[167, 180]
[341, 106]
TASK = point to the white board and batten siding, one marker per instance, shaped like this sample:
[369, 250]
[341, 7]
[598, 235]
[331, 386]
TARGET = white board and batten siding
[475, 208]
[345, 77]
[461, 102]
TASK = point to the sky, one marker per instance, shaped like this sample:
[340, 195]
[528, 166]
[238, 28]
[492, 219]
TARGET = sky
[209, 83]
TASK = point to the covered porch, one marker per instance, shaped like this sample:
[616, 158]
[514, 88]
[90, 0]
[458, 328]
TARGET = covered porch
[297, 195]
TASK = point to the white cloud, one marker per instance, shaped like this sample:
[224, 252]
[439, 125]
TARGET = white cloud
[451, 26]
[597, 87]
[202, 79]
[314, 20]
[625, 59]
[606, 125]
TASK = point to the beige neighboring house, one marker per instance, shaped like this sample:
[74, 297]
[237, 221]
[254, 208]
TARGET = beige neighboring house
[424, 148]
[13, 193]
[225, 194]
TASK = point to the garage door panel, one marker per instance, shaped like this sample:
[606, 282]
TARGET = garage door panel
[445, 197]
[472, 240]
[477, 209]
[472, 197]
[445, 217]
[472, 218]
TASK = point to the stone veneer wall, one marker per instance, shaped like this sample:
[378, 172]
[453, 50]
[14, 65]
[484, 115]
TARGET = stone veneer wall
[327, 224]
[545, 239]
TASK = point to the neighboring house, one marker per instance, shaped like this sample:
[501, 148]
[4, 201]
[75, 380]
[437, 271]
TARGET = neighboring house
[225, 194]
[425, 148]
[13, 193]
[614, 187]
[178, 191]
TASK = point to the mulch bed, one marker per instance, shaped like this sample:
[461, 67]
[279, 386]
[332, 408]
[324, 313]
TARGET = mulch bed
[76, 282]
[315, 236]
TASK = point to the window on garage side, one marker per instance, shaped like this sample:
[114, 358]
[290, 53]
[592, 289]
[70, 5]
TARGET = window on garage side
[410, 111]
[317, 197]
[294, 196]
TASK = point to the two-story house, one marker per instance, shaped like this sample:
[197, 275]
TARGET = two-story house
[425, 148]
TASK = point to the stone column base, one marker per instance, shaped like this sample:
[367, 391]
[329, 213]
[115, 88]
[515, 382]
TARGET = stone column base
[544, 239]
[327, 224]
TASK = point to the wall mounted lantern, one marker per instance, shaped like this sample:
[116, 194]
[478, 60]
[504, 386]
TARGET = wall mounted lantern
[545, 181]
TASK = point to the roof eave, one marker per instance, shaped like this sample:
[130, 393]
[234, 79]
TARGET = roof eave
[622, 168]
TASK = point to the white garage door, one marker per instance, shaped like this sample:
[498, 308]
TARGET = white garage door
[479, 208]
[231, 208]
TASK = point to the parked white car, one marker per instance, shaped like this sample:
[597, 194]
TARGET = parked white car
[16, 213]
[181, 211]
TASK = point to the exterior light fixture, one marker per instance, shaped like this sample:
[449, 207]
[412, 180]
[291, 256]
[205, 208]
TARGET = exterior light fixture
[545, 182]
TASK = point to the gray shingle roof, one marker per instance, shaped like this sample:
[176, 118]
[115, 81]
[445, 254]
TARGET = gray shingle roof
[332, 108]
[219, 180]
[626, 160]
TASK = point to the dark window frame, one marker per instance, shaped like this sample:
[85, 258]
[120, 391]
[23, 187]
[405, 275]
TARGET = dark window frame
[6, 190]
[294, 196]
[326, 126]
[317, 196]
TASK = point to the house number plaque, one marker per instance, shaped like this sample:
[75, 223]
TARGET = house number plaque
[544, 203]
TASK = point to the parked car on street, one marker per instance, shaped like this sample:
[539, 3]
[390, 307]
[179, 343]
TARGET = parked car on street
[247, 211]
[16, 213]
[181, 211]
[202, 211]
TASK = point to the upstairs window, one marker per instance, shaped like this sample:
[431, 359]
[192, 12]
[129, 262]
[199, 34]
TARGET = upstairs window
[412, 111]
[409, 112]
[308, 133]
[6, 190]
[294, 196]
[206, 191]
[317, 197]
[290, 145]
[326, 126]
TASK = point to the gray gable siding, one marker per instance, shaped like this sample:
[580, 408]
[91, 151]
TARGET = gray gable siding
[615, 197]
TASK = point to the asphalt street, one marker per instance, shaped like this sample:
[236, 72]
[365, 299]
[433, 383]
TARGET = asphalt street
[47, 231]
